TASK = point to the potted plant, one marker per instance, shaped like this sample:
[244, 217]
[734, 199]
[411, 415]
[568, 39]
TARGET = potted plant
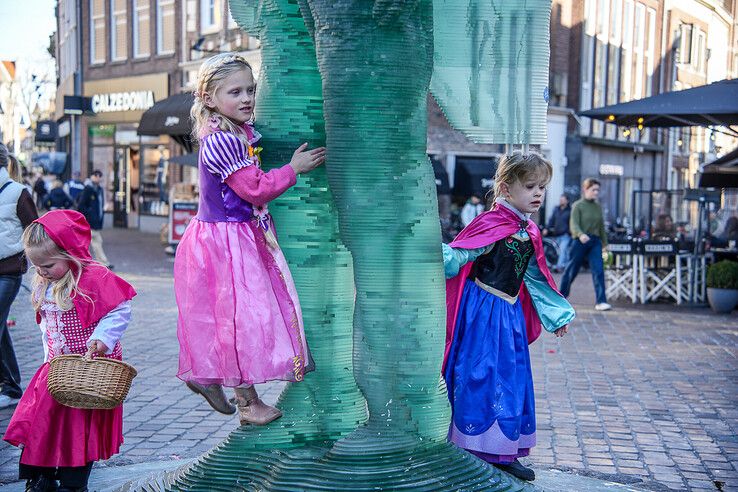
[722, 286]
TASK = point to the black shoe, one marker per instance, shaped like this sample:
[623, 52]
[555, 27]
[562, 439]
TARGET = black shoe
[41, 484]
[517, 469]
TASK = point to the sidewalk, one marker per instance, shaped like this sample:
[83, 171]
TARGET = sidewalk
[646, 396]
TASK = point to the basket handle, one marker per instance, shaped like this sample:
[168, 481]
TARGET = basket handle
[89, 354]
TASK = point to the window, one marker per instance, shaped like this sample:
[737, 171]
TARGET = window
[588, 46]
[650, 50]
[210, 15]
[118, 31]
[639, 29]
[165, 26]
[698, 54]
[67, 39]
[685, 43]
[141, 29]
[600, 62]
[613, 60]
[626, 82]
[97, 31]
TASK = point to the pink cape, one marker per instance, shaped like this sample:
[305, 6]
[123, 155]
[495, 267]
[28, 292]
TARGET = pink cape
[103, 289]
[485, 229]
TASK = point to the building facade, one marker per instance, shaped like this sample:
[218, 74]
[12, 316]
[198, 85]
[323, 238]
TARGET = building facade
[123, 56]
[605, 52]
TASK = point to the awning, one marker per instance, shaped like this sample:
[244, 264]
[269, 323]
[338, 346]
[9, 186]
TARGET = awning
[473, 175]
[722, 172]
[170, 116]
[714, 104]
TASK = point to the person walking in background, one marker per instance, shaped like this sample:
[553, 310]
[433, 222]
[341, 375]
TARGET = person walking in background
[558, 228]
[472, 208]
[17, 211]
[91, 205]
[74, 187]
[57, 197]
[39, 189]
[587, 225]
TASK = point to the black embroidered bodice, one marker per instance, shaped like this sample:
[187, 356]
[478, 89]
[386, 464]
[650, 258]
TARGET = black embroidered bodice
[503, 266]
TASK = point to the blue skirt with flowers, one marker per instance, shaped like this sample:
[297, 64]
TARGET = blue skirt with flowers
[489, 379]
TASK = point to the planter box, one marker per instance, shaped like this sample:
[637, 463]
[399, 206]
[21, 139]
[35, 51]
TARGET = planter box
[722, 300]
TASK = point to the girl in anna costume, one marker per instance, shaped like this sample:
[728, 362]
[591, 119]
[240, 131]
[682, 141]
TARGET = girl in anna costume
[239, 316]
[498, 294]
[81, 306]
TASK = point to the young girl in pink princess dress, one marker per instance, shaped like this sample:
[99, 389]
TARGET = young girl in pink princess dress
[81, 306]
[239, 316]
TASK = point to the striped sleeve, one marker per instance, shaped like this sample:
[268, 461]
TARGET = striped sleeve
[223, 153]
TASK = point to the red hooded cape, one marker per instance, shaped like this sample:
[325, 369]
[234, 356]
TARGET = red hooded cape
[485, 229]
[71, 232]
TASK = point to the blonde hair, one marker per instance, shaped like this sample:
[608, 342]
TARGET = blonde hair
[64, 289]
[15, 169]
[211, 74]
[518, 167]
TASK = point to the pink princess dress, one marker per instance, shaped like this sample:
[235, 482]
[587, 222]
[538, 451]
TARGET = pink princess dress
[239, 317]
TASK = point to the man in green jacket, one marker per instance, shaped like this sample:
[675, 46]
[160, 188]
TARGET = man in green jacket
[587, 226]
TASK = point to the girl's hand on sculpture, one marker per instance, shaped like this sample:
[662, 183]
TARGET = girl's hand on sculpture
[304, 161]
[562, 331]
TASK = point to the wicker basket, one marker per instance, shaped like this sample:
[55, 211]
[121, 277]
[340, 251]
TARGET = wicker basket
[81, 382]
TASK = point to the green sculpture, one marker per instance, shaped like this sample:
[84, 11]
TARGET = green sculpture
[355, 73]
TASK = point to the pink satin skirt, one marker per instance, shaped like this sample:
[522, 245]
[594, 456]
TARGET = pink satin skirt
[239, 316]
[54, 435]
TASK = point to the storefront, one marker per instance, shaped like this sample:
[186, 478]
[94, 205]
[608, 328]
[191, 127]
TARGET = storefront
[133, 166]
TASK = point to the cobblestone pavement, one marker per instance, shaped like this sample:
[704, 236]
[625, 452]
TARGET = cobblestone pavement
[639, 395]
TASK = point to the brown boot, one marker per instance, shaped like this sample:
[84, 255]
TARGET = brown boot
[214, 395]
[251, 410]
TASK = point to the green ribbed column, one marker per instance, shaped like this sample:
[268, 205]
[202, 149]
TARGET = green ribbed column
[368, 102]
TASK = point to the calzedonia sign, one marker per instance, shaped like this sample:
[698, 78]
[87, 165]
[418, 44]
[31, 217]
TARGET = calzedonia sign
[122, 101]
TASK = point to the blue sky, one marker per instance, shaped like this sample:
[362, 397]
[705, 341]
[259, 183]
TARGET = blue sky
[25, 30]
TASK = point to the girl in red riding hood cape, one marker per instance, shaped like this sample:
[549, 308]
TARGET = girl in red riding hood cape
[81, 307]
[499, 293]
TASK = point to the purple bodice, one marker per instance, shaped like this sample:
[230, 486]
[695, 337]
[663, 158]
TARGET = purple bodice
[218, 202]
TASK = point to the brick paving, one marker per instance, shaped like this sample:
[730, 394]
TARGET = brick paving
[639, 395]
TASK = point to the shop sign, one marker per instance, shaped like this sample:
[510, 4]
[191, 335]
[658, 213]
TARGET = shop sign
[180, 215]
[611, 170]
[122, 101]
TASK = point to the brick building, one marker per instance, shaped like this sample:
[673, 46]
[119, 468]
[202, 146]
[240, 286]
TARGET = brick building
[126, 55]
[610, 51]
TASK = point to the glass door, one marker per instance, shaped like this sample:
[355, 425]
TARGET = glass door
[121, 191]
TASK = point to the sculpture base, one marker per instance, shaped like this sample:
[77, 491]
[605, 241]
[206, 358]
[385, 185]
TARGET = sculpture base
[358, 462]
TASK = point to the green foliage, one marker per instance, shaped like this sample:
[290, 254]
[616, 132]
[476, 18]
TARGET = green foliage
[723, 275]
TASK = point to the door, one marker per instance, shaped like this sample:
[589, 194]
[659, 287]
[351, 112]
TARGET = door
[121, 187]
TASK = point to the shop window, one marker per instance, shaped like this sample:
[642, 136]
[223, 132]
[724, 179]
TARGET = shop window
[118, 30]
[141, 29]
[97, 31]
[102, 158]
[155, 180]
[164, 26]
